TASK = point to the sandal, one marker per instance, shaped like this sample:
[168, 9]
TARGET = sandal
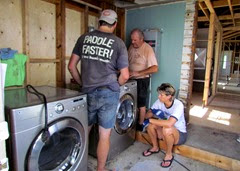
[170, 162]
[149, 153]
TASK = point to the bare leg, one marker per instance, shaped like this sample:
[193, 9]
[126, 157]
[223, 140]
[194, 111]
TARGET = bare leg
[152, 132]
[142, 113]
[103, 148]
[171, 136]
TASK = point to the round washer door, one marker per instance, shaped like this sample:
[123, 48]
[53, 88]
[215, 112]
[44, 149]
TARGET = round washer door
[63, 150]
[126, 115]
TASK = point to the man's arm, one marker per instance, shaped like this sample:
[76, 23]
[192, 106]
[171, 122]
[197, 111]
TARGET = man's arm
[124, 75]
[147, 71]
[72, 67]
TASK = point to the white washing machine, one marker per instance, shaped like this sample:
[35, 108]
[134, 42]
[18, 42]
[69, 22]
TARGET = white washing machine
[123, 134]
[40, 142]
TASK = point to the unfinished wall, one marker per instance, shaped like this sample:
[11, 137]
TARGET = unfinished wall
[42, 42]
[73, 31]
[33, 27]
[11, 24]
[190, 26]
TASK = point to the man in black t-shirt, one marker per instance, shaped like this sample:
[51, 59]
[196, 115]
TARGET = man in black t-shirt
[103, 56]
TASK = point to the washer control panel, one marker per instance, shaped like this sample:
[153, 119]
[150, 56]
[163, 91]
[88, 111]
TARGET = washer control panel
[67, 107]
[59, 108]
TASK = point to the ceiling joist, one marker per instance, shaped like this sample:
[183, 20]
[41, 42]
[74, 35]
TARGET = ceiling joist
[222, 3]
[231, 10]
[237, 28]
[221, 17]
[231, 35]
[217, 24]
[205, 11]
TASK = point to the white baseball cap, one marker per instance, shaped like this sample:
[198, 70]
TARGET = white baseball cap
[108, 16]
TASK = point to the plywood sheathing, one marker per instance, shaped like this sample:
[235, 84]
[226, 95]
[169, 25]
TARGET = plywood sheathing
[73, 31]
[43, 73]
[189, 44]
[11, 30]
[41, 42]
[42, 29]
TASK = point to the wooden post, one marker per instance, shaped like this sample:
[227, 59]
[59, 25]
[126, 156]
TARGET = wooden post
[25, 28]
[60, 43]
[85, 19]
[209, 59]
[217, 60]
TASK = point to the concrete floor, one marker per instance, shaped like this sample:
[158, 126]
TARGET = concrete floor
[212, 129]
[222, 113]
[132, 160]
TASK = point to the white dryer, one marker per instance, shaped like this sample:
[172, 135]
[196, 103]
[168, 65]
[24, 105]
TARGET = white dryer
[56, 141]
[123, 134]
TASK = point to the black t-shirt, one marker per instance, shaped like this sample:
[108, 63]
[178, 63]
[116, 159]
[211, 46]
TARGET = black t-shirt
[102, 55]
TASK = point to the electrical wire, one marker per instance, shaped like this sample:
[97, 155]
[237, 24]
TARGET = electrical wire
[42, 97]
[165, 154]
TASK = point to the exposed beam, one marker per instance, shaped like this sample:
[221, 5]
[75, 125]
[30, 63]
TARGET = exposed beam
[231, 10]
[228, 24]
[229, 17]
[221, 17]
[211, 40]
[232, 41]
[222, 3]
[231, 35]
[237, 28]
[217, 24]
[209, 6]
[88, 4]
[206, 13]
[228, 32]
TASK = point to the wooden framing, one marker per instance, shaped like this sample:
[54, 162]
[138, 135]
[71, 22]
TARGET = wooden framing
[223, 17]
[218, 49]
[88, 4]
[42, 24]
[231, 10]
[25, 28]
[211, 35]
[60, 43]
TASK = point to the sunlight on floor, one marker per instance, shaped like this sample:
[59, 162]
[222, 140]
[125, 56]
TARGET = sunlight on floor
[220, 117]
[198, 111]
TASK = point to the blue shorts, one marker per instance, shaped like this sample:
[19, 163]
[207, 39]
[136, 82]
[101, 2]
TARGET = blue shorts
[182, 137]
[102, 107]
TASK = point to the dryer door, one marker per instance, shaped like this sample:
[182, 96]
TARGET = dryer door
[63, 150]
[126, 115]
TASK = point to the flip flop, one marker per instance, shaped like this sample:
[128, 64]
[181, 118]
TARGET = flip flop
[170, 162]
[150, 152]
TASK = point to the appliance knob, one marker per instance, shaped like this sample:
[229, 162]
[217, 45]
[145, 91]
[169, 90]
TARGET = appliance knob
[59, 108]
[126, 88]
